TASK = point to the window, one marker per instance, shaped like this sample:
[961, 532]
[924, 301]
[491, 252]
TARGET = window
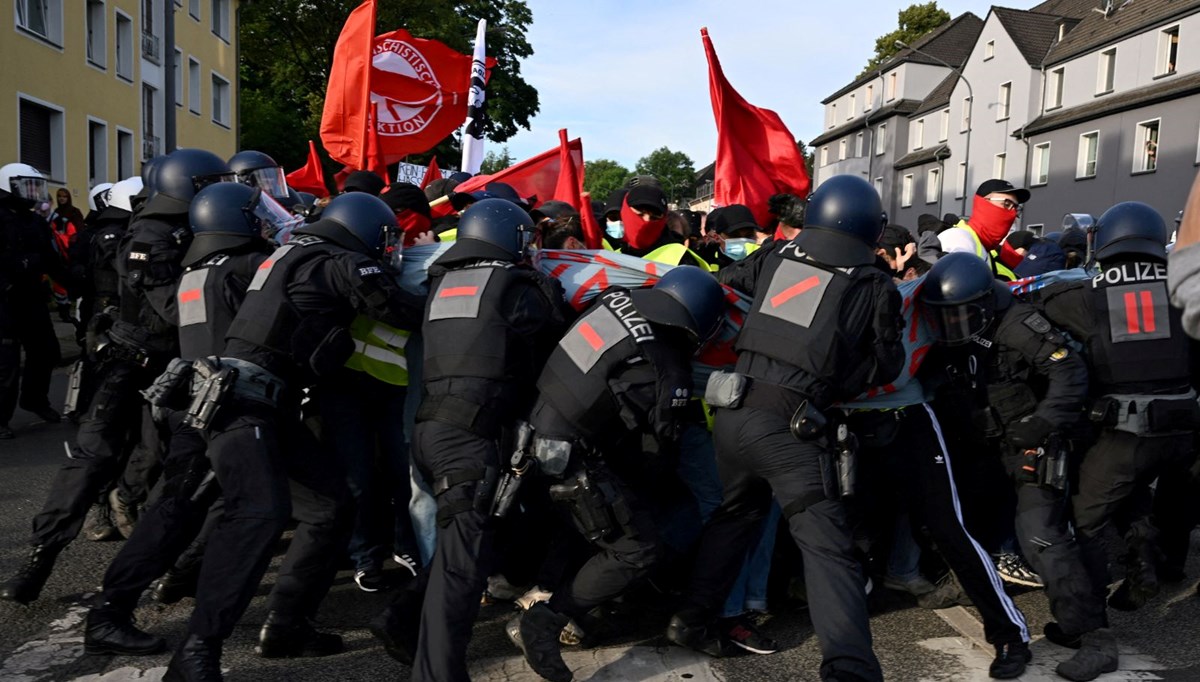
[998, 165]
[1168, 51]
[178, 77]
[933, 185]
[124, 46]
[1003, 100]
[833, 115]
[879, 186]
[1054, 89]
[906, 191]
[966, 116]
[842, 150]
[858, 146]
[1107, 71]
[917, 134]
[824, 156]
[893, 80]
[97, 36]
[944, 128]
[194, 9]
[42, 18]
[42, 137]
[881, 139]
[97, 152]
[149, 139]
[960, 183]
[1041, 163]
[124, 153]
[1089, 144]
[151, 50]
[220, 19]
[1062, 32]
[220, 100]
[853, 107]
[193, 85]
[1145, 154]
[989, 50]
[869, 100]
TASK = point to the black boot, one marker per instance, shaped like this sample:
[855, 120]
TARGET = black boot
[174, 586]
[540, 627]
[196, 660]
[692, 630]
[1010, 661]
[397, 626]
[291, 638]
[1097, 656]
[27, 584]
[111, 631]
[1055, 634]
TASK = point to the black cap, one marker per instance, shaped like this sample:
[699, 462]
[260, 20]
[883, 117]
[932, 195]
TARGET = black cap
[364, 181]
[729, 219]
[402, 196]
[1021, 239]
[615, 199]
[647, 197]
[554, 210]
[440, 188]
[1004, 187]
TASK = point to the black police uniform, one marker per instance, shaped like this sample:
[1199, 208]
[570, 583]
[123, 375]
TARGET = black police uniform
[819, 334]
[26, 254]
[1139, 361]
[996, 369]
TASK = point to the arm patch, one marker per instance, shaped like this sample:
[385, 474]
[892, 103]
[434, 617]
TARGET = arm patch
[1037, 323]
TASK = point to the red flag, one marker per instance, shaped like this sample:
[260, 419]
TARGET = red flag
[756, 155]
[347, 97]
[533, 177]
[310, 178]
[374, 151]
[432, 173]
[570, 188]
[421, 87]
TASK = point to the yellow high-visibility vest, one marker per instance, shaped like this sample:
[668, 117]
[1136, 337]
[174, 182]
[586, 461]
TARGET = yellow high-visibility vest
[673, 254]
[379, 351]
[990, 257]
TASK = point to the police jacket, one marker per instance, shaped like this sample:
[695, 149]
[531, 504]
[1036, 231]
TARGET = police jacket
[208, 297]
[615, 372]
[825, 333]
[103, 249]
[295, 319]
[26, 253]
[148, 264]
[1133, 337]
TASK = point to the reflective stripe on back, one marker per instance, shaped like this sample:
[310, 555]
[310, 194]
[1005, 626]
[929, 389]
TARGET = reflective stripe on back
[264, 270]
[1138, 312]
[459, 294]
[591, 338]
[796, 292]
[192, 309]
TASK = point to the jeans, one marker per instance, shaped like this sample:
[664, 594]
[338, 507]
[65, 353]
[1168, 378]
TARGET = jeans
[422, 508]
[749, 592]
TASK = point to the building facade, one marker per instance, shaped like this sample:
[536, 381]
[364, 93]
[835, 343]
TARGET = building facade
[85, 81]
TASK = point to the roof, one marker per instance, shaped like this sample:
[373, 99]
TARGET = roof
[1032, 32]
[923, 156]
[939, 97]
[898, 108]
[1131, 16]
[1071, 9]
[1114, 104]
[951, 42]
[706, 174]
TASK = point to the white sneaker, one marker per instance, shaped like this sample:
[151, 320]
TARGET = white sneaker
[1014, 569]
[533, 596]
[407, 562]
[916, 587]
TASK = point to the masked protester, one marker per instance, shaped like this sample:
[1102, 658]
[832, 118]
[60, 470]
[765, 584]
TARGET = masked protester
[993, 212]
[412, 211]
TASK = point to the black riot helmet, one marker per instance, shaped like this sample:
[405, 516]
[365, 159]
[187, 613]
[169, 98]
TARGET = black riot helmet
[183, 173]
[842, 222]
[957, 297]
[1130, 229]
[686, 298]
[492, 228]
[224, 217]
[357, 221]
[149, 171]
[256, 169]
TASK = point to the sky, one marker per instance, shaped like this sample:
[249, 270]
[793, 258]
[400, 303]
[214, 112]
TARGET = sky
[629, 77]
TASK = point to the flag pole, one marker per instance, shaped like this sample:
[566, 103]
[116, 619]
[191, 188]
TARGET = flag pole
[472, 132]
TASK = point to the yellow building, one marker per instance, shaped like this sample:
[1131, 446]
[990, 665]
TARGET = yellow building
[83, 82]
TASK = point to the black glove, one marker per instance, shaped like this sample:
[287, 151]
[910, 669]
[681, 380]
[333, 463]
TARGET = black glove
[1030, 433]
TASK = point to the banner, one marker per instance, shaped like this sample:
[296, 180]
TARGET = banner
[472, 134]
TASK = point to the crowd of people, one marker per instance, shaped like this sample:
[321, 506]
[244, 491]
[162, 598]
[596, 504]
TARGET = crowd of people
[392, 373]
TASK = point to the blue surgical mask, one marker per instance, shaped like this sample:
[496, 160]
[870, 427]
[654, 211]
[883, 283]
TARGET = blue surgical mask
[737, 249]
[615, 229]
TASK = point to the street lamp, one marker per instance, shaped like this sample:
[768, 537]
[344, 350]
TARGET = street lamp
[970, 116]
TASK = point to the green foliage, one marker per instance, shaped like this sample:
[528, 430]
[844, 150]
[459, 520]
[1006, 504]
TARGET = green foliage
[673, 169]
[808, 157]
[286, 49]
[602, 176]
[915, 21]
[493, 162]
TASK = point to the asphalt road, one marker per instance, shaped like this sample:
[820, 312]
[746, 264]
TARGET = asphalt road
[43, 641]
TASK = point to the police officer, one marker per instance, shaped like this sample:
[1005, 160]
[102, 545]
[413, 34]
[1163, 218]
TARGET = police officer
[623, 370]
[825, 325]
[1143, 401]
[224, 256]
[26, 255]
[256, 169]
[490, 323]
[994, 346]
[143, 340]
[290, 331]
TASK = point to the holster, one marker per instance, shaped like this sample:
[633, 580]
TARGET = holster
[589, 508]
[212, 384]
[1052, 465]
[847, 461]
[74, 386]
[520, 465]
[808, 423]
[169, 385]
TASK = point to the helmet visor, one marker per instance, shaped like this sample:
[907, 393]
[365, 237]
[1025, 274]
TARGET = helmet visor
[393, 246]
[270, 180]
[271, 215]
[29, 187]
[955, 325]
[199, 182]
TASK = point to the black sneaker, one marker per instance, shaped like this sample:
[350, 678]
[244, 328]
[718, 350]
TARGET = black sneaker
[1014, 569]
[1010, 661]
[686, 630]
[742, 632]
[948, 593]
[408, 563]
[370, 579]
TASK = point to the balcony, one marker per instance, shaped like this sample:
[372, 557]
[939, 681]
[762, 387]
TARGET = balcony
[149, 146]
[150, 48]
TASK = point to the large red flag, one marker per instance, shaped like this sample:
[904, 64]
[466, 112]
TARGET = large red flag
[756, 155]
[533, 177]
[376, 160]
[310, 178]
[347, 97]
[570, 189]
[432, 173]
[421, 87]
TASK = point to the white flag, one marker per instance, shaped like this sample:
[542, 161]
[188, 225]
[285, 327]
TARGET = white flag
[472, 137]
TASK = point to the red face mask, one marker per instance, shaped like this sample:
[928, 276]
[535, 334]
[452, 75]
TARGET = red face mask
[639, 232]
[990, 222]
[413, 224]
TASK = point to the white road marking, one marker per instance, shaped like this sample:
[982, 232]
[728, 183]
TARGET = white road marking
[33, 661]
[617, 664]
[127, 674]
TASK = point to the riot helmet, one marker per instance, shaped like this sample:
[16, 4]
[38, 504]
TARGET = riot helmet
[226, 216]
[957, 297]
[842, 222]
[492, 228]
[357, 221]
[1130, 229]
[149, 173]
[183, 173]
[98, 197]
[122, 193]
[687, 298]
[256, 169]
[24, 181]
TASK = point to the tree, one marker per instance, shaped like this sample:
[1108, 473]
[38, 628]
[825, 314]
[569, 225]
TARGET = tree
[602, 176]
[914, 22]
[808, 157]
[493, 162]
[673, 169]
[286, 49]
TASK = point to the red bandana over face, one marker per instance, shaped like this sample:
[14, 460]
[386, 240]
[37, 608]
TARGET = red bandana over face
[639, 232]
[990, 222]
[414, 224]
